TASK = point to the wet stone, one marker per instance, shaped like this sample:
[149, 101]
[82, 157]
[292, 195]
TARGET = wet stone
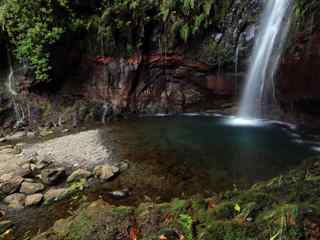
[79, 174]
[106, 172]
[15, 200]
[30, 188]
[33, 200]
[52, 176]
[55, 194]
[10, 184]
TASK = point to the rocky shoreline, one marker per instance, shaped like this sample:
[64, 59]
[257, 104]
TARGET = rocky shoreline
[47, 193]
[286, 207]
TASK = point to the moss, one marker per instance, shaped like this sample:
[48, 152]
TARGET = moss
[266, 204]
[225, 230]
[178, 205]
[224, 211]
[81, 229]
[122, 211]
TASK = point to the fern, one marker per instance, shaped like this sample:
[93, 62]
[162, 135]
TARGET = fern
[184, 32]
[207, 7]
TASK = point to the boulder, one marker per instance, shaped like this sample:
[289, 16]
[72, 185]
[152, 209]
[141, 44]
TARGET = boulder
[30, 188]
[79, 174]
[24, 171]
[33, 199]
[10, 184]
[5, 225]
[55, 194]
[105, 172]
[53, 175]
[15, 200]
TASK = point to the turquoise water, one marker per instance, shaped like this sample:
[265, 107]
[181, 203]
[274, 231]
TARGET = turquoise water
[221, 153]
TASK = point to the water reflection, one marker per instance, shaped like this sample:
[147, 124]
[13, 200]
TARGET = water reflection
[224, 153]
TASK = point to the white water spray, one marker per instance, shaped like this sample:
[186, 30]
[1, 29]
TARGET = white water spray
[266, 55]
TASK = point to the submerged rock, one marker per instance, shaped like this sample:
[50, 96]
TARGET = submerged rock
[79, 174]
[33, 199]
[30, 188]
[105, 172]
[52, 176]
[15, 200]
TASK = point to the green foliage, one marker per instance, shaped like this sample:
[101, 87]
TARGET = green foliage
[186, 224]
[112, 27]
[33, 26]
[81, 229]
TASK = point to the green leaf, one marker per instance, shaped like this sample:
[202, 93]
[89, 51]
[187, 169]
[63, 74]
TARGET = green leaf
[237, 207]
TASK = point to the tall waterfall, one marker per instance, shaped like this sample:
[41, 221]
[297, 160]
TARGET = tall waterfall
[266, 55]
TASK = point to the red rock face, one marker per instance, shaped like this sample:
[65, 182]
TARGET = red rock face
[300, 76]
[150, 83]
[299, 83]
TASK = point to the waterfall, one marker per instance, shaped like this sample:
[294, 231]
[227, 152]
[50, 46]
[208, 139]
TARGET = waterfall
[266, 55]
[236, 65]
[18, 108]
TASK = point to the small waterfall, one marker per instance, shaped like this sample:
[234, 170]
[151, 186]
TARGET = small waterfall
[18, 108]
[266, 55]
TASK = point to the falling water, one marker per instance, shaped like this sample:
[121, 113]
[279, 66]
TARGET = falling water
[236, 64]
[266, 55]
[18, 108]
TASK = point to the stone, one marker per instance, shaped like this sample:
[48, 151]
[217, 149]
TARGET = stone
[5, 226]
[45, 132]
[53, 175]
[6, 177]
[79, 174]
[15, 200]
[44, 160]
[55, 194]
[16, 136]
[31, 134]
[29, 180]
[120, 194]
[19, 147]
[8, 151]
[33, 200]
[24, 171]
[105, 172]
[6, 147]
[30, 188]
[123, 166]
[2, 213]
[10, 184]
